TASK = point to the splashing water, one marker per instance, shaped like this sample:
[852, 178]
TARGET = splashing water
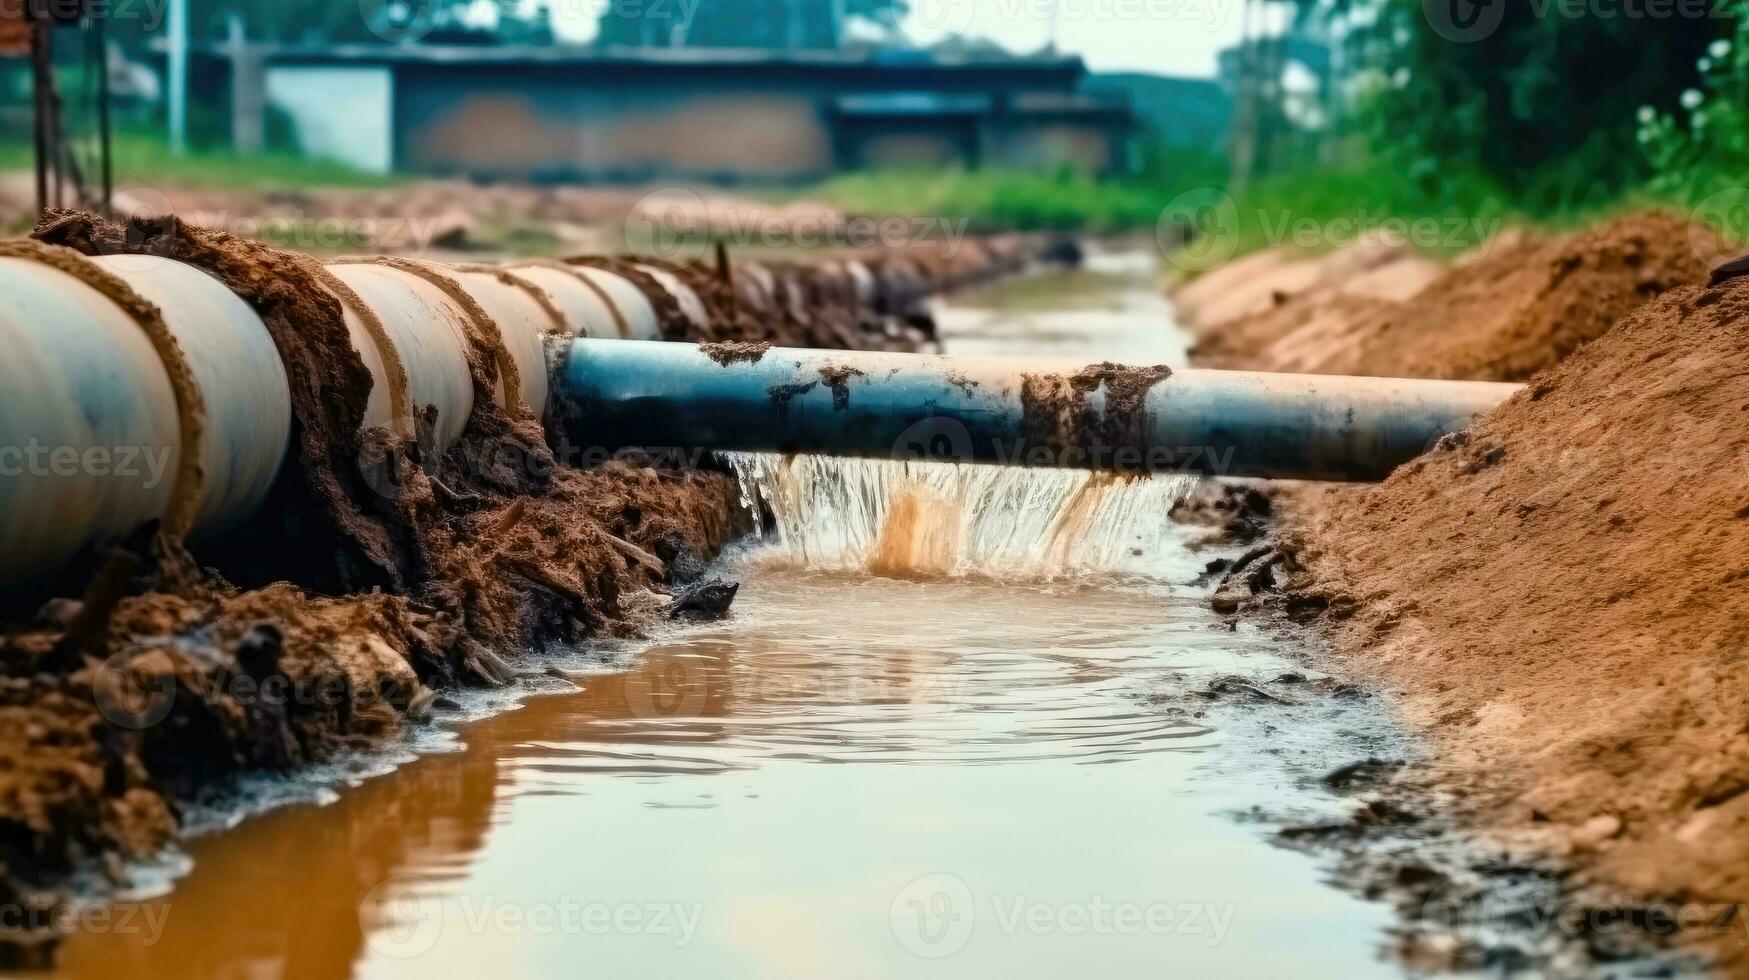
[933, 520]
[925, 520]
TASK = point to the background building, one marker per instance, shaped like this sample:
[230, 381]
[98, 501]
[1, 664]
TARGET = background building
[638, 114]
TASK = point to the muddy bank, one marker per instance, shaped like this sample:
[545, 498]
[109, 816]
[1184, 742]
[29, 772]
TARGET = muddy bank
[380, 574]
[1512, 307]
[1556, 597]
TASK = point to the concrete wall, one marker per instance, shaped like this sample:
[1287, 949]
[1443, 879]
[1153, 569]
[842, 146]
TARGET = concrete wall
[548, 128]
[340, 113]
[541, 114]
[872, 144]
[1050, 144]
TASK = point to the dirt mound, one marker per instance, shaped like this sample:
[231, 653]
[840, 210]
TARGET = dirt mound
[1561, 594]
[1229, 307]
[1514, 307]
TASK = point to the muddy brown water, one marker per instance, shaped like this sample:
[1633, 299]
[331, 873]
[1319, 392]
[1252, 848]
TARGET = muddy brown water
[977, 769]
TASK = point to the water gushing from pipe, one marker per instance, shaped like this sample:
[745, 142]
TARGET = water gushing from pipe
[907, 519]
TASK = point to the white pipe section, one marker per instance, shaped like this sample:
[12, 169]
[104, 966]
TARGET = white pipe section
[524, 325]
[241, 379]
[634, 307]
[90, 441]
[690, 305]
[95, 383]
[587, 312]
[430, 333]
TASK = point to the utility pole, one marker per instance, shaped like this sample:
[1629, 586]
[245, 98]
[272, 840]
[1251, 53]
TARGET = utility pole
[178, 72]
[1242, 128]
[795, 24]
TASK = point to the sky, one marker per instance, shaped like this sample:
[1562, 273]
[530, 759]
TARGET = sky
[1165, 37]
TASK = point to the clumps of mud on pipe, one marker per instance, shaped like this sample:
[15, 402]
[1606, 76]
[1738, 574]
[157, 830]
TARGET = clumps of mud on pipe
[351, 535]
[1058, 413]
[837, 377]
[727, 352]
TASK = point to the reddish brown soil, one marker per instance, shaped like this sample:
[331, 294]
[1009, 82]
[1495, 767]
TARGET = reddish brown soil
[1516, 306]
[1559, 597]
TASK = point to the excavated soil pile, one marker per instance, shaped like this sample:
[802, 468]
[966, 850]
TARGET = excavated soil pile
[1514, 307]
[1561, 596]
[407, 575]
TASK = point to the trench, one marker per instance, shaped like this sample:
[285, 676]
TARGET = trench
[957, 726]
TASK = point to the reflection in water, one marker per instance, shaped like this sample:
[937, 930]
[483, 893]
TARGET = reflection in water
[855, 776]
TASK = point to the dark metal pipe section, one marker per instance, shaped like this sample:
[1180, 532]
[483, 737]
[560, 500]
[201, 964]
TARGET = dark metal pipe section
[614, 394]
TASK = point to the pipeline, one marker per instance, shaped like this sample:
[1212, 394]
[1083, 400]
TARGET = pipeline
[576, 344]
[1015, 411]
[140, 389]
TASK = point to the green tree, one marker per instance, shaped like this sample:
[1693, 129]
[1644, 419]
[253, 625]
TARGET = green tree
[1542, 97]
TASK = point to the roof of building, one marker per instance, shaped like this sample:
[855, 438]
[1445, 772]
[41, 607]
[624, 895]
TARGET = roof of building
[911, 105]
[682, 58]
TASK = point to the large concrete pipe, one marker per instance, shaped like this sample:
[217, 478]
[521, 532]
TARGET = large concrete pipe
[690, 305]
[429, 331]
[1015, 411]
[525, 319]
[636, 313]
[587, 310]
[92, 434]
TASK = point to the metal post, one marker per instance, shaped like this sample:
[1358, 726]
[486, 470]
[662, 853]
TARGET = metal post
[42, 88]
[614, 394]
[105, 130]
[178, 72]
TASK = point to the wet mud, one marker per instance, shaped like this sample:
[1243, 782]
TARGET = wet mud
[727, 352]
[1058, 412]
[837, 378]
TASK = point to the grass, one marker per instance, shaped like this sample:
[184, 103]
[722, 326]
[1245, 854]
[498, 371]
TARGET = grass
[1315, 209]
[1003, 200]
[146, 159]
